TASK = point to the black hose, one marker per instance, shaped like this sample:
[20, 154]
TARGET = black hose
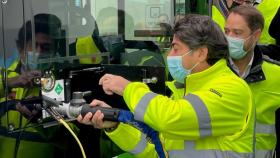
[7, 106]
[50, 101]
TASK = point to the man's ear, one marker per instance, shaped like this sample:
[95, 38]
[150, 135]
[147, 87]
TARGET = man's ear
[258, 33]
[202, 53]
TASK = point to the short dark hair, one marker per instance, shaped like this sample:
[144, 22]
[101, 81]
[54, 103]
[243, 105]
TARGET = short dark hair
[200, 30]
[44, 23]
[251, 15]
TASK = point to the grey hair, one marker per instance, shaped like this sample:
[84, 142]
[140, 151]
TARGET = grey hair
[201, 31]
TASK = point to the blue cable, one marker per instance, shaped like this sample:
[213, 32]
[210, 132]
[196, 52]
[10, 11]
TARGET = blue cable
[128, 118]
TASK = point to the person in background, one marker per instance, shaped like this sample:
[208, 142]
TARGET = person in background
[206, 116]
[19, 84]
[164, 39]
[270, 10]
[273, 50]
[243, 29]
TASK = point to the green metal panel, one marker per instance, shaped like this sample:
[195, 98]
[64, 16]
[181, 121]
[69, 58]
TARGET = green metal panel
[202, 7]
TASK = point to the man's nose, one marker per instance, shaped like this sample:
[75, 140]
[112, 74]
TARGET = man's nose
[229, 33]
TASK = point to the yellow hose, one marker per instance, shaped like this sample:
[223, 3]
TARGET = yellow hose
[74, 135]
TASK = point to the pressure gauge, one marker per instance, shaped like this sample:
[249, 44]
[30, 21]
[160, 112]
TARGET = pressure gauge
[48, 81]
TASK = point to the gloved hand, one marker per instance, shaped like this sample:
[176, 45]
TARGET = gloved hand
[25, 80]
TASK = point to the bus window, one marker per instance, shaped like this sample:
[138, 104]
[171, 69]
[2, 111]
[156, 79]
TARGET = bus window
[43, 35]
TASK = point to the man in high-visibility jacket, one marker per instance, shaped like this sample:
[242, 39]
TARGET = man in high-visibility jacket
[19, 84]
[268, 8]
[211, 112]
[243, 29]
[90, 46]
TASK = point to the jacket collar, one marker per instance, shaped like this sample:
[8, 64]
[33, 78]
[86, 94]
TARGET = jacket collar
[197, 80]
[18, 68]
[179, 85]
[202, 77]
[256, 73]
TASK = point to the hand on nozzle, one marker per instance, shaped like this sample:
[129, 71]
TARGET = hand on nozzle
[96, 120]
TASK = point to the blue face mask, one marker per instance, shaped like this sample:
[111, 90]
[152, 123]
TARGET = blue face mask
[32, 59]
[236, 47]
[176, 69]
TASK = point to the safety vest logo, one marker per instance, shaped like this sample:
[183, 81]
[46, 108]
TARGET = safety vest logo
[216, 92]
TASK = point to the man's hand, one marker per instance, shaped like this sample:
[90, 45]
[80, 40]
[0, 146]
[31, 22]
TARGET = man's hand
[113, 84]
[25, 80]
[28, 111]
[97, 119]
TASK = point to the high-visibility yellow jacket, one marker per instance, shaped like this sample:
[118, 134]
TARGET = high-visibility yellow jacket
[263, 80]
[88, 51]
[33, 144]
[267, 7]
[218, 17]
[212, 116]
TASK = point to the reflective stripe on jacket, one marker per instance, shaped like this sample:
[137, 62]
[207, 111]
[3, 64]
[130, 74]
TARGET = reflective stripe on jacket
[212, 119]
